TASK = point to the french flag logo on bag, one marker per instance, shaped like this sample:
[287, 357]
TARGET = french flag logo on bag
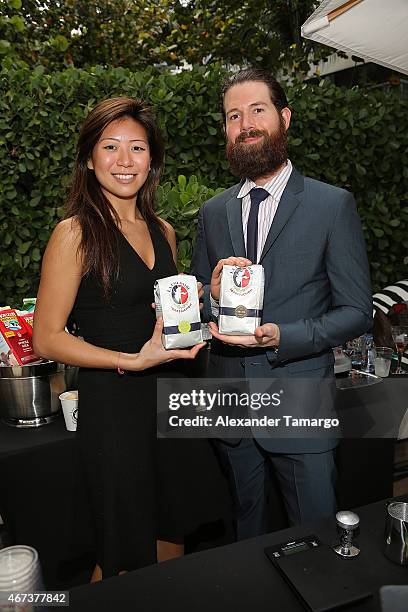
[241, 277]
[179, 294]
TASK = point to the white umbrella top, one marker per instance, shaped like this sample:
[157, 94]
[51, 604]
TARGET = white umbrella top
[375, 30]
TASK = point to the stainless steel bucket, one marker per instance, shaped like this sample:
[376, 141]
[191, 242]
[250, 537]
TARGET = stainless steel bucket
[396, 533]
[71, 378]
[29, 394]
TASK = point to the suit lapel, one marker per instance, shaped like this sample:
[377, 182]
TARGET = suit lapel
[234, 216]
[288, 203]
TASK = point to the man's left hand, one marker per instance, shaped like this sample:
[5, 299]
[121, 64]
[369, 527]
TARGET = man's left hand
[265, 336]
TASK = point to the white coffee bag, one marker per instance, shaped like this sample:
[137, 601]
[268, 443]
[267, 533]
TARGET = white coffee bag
[176, 299]
[241, 299]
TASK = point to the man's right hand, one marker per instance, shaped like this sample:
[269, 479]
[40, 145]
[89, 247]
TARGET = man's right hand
[216, 275]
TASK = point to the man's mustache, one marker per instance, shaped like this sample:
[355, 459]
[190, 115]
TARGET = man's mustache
[249, 134]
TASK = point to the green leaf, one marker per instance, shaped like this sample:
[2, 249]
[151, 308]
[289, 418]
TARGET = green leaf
[36, 255]
[360, 169]
[60, 43]
[173, 198]
[5, 47]
[182, 232]
[14, 4]
[38, 70]
[182, 181]
[191, 213]
[23, 247]
[18, 23]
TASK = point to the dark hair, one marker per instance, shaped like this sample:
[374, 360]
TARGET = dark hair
[276, 92]
[97, 218]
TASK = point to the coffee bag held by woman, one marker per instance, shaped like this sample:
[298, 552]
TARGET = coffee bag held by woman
[99, 269]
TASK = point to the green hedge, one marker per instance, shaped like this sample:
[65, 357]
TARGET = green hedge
[179, 204]
[352, 138]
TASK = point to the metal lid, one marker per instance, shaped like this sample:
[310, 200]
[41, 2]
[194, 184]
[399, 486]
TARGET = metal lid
[28, 371]
[347, 519]
[398, 510]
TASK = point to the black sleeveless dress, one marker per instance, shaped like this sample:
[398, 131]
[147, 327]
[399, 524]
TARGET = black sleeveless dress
[141, 488]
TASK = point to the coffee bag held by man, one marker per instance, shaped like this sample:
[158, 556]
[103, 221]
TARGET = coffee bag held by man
[241, 299]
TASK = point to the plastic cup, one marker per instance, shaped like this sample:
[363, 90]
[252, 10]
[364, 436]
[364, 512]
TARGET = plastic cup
[69, 402]
[20, 572]
[382, 361]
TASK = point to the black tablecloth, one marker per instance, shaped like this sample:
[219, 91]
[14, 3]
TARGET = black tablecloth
[239, 577]
[40, 478]
[39, 481]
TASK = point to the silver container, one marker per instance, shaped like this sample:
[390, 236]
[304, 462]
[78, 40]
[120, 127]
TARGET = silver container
[396, 533]
[29, 394]
[71, 377]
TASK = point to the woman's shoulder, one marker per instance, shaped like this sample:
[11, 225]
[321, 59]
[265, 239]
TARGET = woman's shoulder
[68, 230]
[168, 228]
[66, 237]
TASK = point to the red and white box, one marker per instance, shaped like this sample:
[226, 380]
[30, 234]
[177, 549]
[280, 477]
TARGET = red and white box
[13, 330]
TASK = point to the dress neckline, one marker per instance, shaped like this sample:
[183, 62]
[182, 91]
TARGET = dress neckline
[138, 255]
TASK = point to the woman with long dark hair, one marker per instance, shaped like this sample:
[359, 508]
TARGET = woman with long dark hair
[99, 270]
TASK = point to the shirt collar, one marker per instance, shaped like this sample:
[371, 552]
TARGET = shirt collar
[271, 185]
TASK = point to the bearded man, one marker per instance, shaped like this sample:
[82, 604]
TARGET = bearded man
[307, 235]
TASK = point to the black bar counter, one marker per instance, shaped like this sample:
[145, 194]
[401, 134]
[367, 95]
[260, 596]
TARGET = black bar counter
[239, 577]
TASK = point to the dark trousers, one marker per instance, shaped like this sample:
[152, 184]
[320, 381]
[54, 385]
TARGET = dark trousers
[306, 481]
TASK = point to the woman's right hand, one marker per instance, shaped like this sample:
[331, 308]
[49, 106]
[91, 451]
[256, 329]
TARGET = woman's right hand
[153, 352]
[215, 282]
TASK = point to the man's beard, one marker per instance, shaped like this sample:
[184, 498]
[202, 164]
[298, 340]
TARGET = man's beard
[260, 159]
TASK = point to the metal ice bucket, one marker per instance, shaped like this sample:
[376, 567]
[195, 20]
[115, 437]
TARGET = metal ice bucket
[29, 394]
[396, 533]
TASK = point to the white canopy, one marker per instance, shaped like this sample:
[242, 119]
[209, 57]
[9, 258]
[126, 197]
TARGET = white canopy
[375, 30]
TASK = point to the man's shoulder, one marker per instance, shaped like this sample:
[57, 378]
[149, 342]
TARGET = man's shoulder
[314, 186]
[219, 199]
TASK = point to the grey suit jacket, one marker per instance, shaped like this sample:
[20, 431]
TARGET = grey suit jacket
[317, 284]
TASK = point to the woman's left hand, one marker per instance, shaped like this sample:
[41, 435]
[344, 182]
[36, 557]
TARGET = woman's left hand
[153, 352]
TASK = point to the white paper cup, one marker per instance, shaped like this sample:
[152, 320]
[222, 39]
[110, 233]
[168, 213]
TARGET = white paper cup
[69, 401]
